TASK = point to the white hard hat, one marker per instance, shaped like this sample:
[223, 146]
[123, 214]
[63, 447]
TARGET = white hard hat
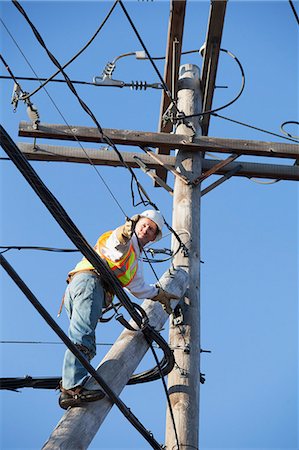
[156, 217]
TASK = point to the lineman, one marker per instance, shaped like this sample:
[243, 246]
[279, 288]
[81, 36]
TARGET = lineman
[85, 296]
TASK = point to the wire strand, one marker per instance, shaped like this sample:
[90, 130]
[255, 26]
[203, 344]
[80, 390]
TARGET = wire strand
[294, 11]
[253, 127]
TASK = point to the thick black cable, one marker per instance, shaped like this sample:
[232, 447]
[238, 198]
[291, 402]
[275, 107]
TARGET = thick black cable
[294, 11]
[78, 53]
[10, 72]
[253, 127]
[72, 347]
[75, 235]
[35, 247]
[165, 87]
[79, 241]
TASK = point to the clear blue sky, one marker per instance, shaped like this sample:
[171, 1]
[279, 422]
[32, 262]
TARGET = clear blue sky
[249, 231]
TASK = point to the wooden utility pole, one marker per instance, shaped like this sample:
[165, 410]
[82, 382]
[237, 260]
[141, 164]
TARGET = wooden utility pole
[183, 381]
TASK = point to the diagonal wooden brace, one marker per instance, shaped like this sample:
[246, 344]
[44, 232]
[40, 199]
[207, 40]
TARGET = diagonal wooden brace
[221, 180]
[166, 166]
[214, 169]
[152, 174]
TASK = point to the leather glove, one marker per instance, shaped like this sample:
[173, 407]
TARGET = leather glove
[164, 298]
[125, 232]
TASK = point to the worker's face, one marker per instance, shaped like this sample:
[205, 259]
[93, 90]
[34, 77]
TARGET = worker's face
[146, 230]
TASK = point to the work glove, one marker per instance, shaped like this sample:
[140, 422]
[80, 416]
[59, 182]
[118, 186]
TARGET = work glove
[164, 298]
[125, 232]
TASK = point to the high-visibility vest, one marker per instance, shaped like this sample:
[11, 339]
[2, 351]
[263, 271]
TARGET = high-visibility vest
[125, 268]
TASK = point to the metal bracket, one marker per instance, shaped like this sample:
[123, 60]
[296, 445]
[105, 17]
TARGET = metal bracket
[178, 313]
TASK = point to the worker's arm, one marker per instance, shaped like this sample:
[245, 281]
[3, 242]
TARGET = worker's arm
[125, 232]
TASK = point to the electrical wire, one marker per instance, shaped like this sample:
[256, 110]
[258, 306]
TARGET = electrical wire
[294, 11]
[77, 54]
[35, 247]
[90, 83]
[211, 111]
[253, 127]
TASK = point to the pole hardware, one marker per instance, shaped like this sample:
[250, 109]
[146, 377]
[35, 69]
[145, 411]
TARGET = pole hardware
[187, 349]
[178, 314]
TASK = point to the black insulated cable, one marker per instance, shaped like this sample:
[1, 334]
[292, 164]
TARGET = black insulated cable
[51, 322]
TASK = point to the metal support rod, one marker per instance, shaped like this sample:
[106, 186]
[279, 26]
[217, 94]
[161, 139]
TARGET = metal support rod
[183, 384]
[227, 176]
[214, 169]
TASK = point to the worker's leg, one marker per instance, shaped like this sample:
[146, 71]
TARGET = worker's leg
[83, 300]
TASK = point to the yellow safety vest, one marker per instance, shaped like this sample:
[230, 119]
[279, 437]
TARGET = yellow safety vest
[125, 268]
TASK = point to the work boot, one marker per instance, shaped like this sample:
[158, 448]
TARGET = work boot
[78, 396]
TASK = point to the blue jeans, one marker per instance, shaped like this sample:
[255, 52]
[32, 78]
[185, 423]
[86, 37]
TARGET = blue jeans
[84, 299]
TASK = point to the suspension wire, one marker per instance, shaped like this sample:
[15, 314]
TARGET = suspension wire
[253, 127]
[294, 11]
[76, 55]
[72, 347]
[165, 87]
